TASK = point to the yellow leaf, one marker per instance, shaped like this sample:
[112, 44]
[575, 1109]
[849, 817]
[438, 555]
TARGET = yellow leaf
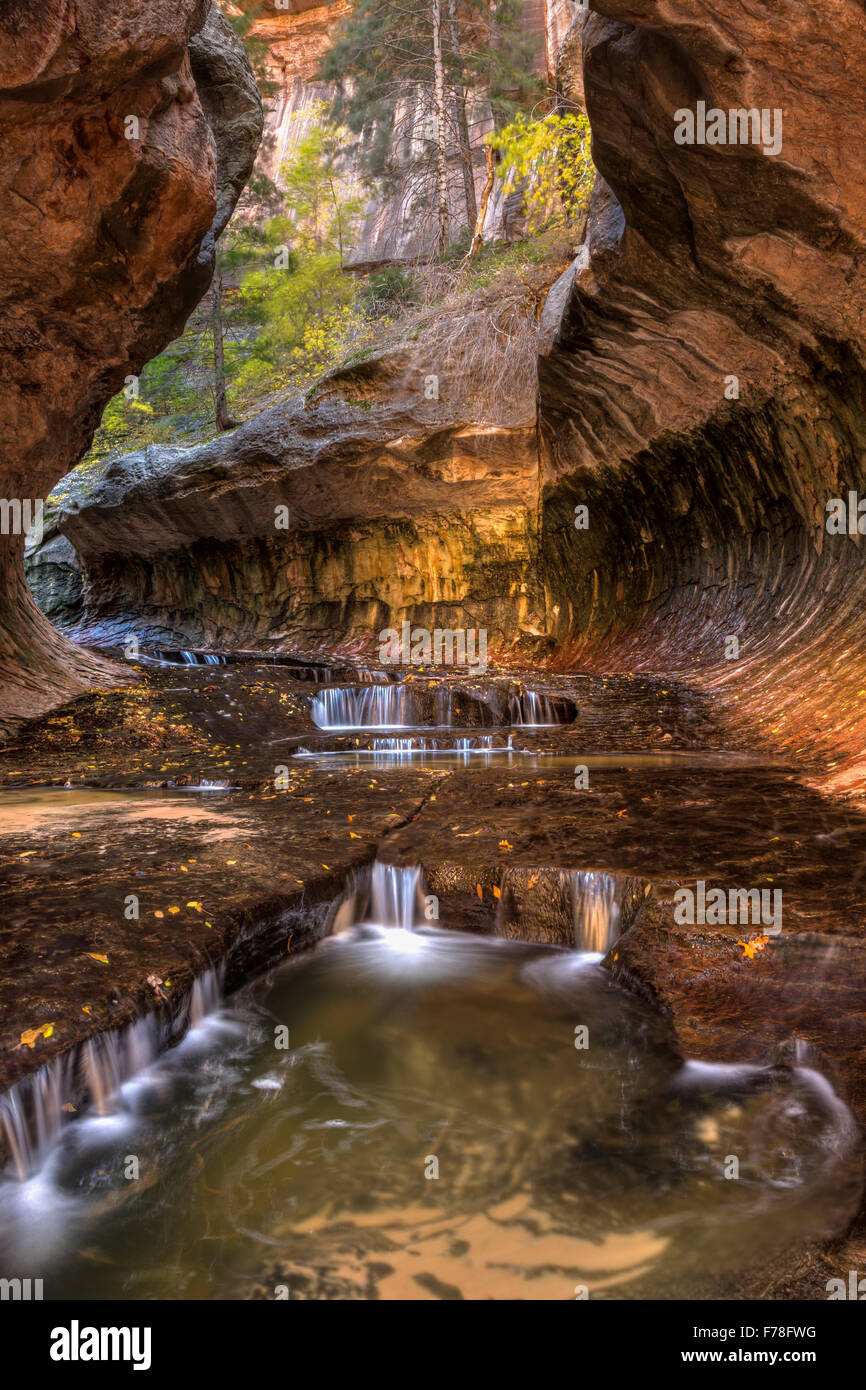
[159, 914]
[28, 1038]
[478, 891]
[174, 911]
[197, 906]
[496, 892]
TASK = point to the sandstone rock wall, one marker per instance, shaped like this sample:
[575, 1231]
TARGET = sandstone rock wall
[705, 264]
[107, 246]
[395, 507]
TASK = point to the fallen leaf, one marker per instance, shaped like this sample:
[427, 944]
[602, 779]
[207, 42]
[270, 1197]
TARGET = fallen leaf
[94, 955]
[29, 1037]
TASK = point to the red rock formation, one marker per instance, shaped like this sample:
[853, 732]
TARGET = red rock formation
[107, 246]
[706, 263]
[395, 507]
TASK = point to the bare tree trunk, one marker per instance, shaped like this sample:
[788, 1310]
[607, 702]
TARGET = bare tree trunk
[462, 125]
[224, 422]
[485, 199]
[441, 133]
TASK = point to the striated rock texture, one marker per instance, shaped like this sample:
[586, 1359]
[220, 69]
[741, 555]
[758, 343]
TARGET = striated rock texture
[706, 263]
[316, 524]
[107, 246]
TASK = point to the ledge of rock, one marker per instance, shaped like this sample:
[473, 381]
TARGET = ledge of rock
[320, 521]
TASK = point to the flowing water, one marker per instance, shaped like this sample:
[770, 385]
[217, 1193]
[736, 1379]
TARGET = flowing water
[378, 707]
[407, 1113]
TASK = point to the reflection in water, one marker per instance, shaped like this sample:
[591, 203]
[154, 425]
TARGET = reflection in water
[430, 1130]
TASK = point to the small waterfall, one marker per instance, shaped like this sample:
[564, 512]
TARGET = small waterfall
[206, 995]
[379, 707]
[400, 747]
[32, 1113]
[110, 1059]
[530, 709]
[171, 658]
[596, 911]
[396, 896]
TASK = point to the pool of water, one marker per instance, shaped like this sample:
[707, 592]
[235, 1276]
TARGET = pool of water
[427, 1128]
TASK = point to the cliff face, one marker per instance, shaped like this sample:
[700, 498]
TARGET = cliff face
[702, 383]
[129, 130]
[395, 228]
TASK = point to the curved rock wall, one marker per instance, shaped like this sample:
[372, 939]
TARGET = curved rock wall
[702, 385]
[316, 524]
[112, 187]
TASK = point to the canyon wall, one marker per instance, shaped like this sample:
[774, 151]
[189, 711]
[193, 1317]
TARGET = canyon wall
[314, 525]
[702, 379]
[129, 130]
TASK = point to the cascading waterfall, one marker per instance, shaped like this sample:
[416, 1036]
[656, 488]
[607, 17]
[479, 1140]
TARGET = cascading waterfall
[596, 911]
[206, 995]
[195, 658]
[32, 1113]
[380, 707]
[396, 896]
[530, 709]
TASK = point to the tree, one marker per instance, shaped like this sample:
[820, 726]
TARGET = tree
[550, 161]
[281, 311]
[403, 70]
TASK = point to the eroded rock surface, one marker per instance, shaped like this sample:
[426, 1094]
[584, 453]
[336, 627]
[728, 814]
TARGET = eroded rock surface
[321, 521]
[711, 270]
[123, 151]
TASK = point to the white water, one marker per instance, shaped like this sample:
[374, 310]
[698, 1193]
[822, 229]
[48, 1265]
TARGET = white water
[396, 896]
[531, 710]
[32, 1114]
[380, 707]
[202, 659]
[416, 746]
[596, 911]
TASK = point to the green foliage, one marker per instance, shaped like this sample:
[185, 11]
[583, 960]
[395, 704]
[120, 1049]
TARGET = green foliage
[550, 161]
[381, 51]
[286, 312]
